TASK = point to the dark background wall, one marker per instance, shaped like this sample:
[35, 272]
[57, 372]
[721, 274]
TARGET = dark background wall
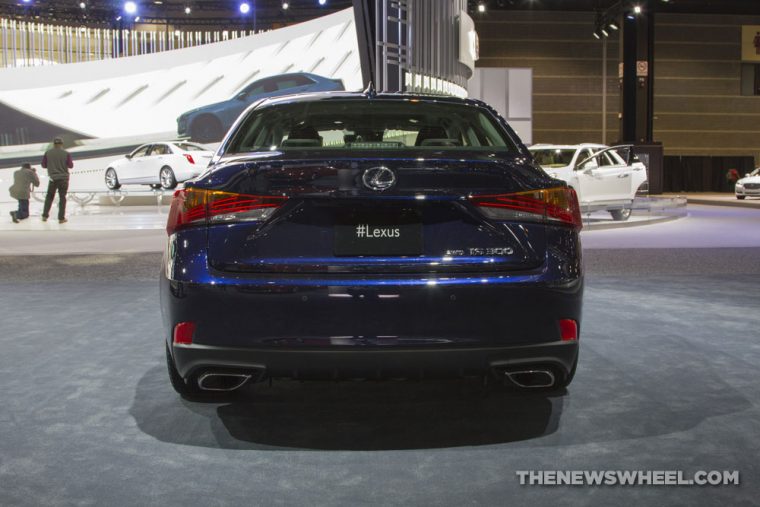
[567, 70]
[699, 107]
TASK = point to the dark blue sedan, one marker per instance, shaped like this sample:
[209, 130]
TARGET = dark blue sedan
[347, 235]
[210, 123]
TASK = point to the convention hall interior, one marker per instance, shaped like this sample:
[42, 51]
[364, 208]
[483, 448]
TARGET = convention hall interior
[379, 252]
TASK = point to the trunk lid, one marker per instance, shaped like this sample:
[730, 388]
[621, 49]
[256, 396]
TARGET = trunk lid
[335, 221]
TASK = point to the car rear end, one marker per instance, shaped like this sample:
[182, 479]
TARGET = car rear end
[193, 159]
[412, 254]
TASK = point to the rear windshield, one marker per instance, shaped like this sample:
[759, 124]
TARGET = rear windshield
[367, 124]
[553, 157]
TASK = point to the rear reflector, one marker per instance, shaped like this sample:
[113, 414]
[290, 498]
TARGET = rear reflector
[568, 330]
[195, 206]
[183, 333]
[189, 158]
[551, 205]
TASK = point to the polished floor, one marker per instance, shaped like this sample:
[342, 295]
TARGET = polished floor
[667, 381]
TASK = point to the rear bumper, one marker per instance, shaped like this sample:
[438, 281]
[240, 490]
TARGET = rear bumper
[365, 326]
[194, 360]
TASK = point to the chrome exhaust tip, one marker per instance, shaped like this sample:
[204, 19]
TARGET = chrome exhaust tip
[531, 379]
[222, 381]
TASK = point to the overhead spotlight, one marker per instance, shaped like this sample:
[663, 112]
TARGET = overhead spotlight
[118, 18]
[285, 6]
[637, 9]
[130, 7]
[188, 10]
[481, 7]
[137, 18]
[612, 25]
[82, 5]
[322, 2]
[605, 32]
[596, 35]
[27, 1]
[245, 8]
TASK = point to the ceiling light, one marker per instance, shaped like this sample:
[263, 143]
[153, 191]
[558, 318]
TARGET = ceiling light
[613, 26]
[188, 10]
[596, 34]
[82, 5]
[285, 6]
[130, 7]
[637, 9]
[245, 8]
[137, 18]
[322, 2]
[481, 7]
[605, 32]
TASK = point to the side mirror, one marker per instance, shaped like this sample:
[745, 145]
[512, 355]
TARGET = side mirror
[129, 156]
[746, 175]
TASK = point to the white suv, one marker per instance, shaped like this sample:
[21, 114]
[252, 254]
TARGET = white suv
[749, 185]
[603, 179]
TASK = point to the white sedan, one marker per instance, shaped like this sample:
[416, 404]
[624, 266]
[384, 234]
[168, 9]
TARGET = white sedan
[160, 165]
[749, 185]
[603, 179]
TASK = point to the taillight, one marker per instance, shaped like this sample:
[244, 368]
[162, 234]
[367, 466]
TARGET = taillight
[183, 333]
[550, 205]
[568, 330]
[195, 206]
[189, 158]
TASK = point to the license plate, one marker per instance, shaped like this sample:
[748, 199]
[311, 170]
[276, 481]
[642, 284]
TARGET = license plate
[379, 236]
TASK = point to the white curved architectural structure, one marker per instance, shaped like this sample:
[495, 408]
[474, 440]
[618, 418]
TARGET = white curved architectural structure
[141, 95]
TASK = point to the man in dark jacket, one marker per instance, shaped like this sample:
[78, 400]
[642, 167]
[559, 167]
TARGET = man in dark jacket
[23, 179]
[57, 161]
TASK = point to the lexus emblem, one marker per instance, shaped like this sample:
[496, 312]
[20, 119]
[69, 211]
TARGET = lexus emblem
[378, 178]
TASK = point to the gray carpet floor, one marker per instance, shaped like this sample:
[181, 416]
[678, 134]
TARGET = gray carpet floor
[668, 380]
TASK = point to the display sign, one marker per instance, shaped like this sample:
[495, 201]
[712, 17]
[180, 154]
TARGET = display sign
[751, 43]
[469, 45]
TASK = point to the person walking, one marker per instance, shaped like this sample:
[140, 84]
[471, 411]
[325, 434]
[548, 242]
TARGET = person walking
[21, 190]
[57, 161]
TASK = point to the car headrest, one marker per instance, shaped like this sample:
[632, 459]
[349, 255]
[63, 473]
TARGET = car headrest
[430, 132]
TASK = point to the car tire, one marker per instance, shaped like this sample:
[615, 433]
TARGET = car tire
[112, 179]
[167, 178]
[206, 129]
[621, 215]
[741, 197]
[184, 389]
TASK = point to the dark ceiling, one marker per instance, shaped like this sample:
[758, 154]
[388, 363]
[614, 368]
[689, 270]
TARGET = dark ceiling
[673, 6]
[216, 13]
[270, 13]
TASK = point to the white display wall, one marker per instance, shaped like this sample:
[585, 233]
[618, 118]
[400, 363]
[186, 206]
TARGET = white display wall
[510, 92]
[141, 95]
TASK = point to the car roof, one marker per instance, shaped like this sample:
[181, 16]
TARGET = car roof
[343, 95]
